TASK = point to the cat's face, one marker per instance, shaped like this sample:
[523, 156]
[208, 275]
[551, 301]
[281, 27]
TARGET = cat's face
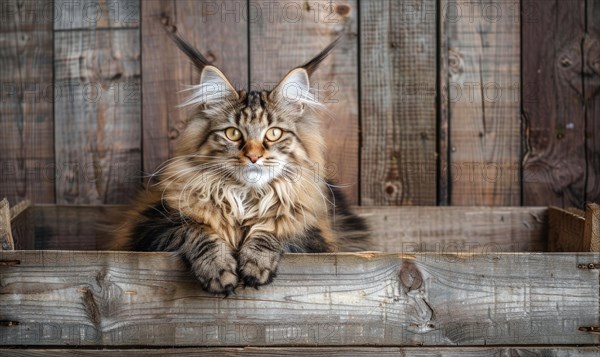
[254, 137]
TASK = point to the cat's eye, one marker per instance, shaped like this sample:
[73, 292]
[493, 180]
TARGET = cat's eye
[233, 134]
[274, 134]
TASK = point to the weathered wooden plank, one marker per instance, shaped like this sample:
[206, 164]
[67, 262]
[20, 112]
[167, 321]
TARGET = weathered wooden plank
[573, 230]
[398, 102]
[96, 14]
[285, 34]
[443, 105]
[547, 351]
[220, 35]
[98, 130]
[22, 225]
[15, 225]
[591, 86]
[566, 230]
[395, 229]
[73, 227]
[150, 299]
[457, 229]
[6, 238]
[484, 113]
[27, 145]
[554, 164]
[591, 232]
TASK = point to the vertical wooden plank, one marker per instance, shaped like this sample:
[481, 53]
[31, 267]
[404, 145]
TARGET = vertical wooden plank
[22, 225]
[591, 233]
[484, 112]
[285, 34]
[554, 162]
[6, 238]
[566, 230]
[97, 110]
[398, 102]
[218, 30]
[443, 105]
[591, 76]
[26, 95]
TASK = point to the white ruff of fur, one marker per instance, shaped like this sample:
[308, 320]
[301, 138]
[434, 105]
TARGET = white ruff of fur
[283, 206]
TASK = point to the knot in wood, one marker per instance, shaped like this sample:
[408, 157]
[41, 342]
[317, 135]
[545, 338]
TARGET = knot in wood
[164, 19]
[173, 134]
[391, 188]
[171, 28]
[456, 63]
[565, 62]
[210, 57]
[343, 9]
[410, 276]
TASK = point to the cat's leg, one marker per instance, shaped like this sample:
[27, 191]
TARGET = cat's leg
[210, 259]
[258, 259]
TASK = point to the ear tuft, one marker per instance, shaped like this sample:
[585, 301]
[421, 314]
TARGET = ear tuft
[213, 87]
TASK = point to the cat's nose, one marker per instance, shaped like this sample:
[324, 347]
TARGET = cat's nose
[253, 158]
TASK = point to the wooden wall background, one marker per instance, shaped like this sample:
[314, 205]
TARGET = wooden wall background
[435, 102]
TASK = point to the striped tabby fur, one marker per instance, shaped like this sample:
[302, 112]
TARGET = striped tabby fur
[231, 208]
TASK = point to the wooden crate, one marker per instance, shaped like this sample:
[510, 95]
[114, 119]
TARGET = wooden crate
[449, 279]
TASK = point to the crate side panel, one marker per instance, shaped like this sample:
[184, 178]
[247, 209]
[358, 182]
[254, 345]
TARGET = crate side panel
[112, 299]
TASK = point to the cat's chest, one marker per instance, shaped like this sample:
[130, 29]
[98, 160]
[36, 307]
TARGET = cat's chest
[246, 207]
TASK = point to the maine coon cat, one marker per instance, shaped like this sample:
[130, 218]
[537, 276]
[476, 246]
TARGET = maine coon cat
[244, 185]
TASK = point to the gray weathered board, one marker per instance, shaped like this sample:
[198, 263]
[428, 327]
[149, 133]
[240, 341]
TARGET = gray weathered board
[394, 229]
[398, 98]
[483, 67]
[97, 118]
[132, 299]
[546, 351]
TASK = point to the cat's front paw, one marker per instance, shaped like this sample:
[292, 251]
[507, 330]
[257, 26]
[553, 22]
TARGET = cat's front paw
[216, 268]
[258, 259]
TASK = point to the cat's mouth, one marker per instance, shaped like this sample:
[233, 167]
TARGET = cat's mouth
[257, 175]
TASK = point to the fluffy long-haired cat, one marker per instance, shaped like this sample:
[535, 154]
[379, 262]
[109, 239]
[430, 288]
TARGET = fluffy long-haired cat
[244, 185]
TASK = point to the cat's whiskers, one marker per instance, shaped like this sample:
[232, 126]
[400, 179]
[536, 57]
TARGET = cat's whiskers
[166, 164]
[199, 168]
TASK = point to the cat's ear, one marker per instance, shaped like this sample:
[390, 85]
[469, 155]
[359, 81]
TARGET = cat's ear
[213, 88]
[216, 85]
[293, 90]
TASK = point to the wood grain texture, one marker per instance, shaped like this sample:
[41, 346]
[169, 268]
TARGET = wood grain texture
[221, 36]
[484, 114]
[591, 232]
[547, 351]
[566, 230]
[554, 163]
[96, 14]
[72, 227]
[398, 102]
[591, 78]
[443, 106]
[22, 225]
[395, 229]
[6, 238]
[285, 34]
[457, 229]
[98, 116]
[134, 299]
[26, 95]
